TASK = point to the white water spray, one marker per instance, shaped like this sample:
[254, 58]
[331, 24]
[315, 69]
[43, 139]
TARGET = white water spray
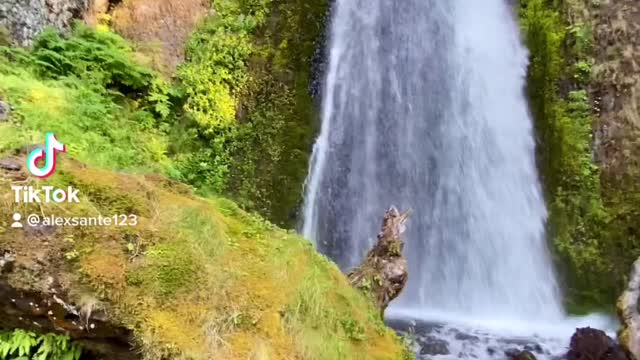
[424, 108]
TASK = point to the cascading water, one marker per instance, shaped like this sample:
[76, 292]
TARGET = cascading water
[424, 108]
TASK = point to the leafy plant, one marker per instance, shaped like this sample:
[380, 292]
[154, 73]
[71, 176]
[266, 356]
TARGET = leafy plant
[353, 330]
[24, 345]
[88, 89]
[582, 70]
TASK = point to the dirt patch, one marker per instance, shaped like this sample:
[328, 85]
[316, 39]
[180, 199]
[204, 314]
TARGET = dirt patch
[160, 28]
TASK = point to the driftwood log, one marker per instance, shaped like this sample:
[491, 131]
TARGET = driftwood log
[629, 315]
[383, 274]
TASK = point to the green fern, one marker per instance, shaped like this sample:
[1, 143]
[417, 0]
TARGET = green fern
[25, 345]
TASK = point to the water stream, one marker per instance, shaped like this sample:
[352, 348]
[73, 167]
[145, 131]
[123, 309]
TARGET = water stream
[424, 108]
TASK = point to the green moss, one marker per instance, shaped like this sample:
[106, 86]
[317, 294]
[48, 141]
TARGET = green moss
[170, 267]
[584, 222]
[257, 55]
[5, 37]
[272, 160]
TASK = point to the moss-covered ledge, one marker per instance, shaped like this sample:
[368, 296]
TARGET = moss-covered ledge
[196, 278]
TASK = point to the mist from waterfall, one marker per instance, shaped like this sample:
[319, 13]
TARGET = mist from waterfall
[424, 108]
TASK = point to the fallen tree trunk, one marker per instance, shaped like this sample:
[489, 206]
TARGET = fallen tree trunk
[629, 315]
[383, 274]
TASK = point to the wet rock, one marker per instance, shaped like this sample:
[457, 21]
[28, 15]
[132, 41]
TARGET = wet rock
[49, 311]
[413, 326]
[594, 344]
[10, 164]
[5, 111]
[525, 344]
[515, 354]
[466, 337]
[430, 345]
[535, 348]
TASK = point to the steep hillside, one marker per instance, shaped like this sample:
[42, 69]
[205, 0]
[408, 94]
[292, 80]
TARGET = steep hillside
[195, 277]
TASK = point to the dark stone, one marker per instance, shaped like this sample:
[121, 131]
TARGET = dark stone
[48, 311]
[431, 345]
[5, 111]
[511, 352]
[466, 337]
[536, 348]
[516, 354]
[491, 350]
[525, 344]
[594, 344]
[10, 164]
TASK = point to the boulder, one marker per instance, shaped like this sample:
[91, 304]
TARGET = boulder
[593, 344]
[515, 354]
[430, 345]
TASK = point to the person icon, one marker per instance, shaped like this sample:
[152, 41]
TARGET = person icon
[16, 221]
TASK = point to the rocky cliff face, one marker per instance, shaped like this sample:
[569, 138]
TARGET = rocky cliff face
[616, 86]
[24, 19]
[584, 87]
[615, 93]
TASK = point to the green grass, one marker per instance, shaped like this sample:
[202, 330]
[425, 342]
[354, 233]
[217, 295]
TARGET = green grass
[98, 124]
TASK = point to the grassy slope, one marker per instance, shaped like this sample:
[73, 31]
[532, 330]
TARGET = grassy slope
[197, 278]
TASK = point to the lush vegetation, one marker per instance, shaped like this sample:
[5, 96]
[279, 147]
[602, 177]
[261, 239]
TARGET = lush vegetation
[24, 345]
[592, 241]
[87, 88]
[239, 121]
[198, 278]
[248, 76]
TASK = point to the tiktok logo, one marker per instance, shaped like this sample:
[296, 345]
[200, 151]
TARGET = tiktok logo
[49, 153]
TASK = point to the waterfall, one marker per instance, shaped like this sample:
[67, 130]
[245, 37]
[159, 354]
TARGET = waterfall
[424, 108]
